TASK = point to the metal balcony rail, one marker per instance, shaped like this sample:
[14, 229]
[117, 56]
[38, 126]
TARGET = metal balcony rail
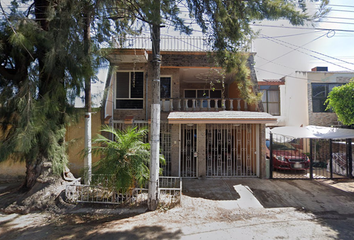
[170, 43]
[167, 43]
[202, 104]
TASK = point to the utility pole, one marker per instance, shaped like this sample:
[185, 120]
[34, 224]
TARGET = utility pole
[88, 146]
[153, 195]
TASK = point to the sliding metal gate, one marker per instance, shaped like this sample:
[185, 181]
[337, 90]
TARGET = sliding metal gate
[231, 150]
[188, 150]
[310, 158]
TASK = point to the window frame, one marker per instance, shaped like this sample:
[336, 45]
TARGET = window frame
[130, 90]
[170, 77]
[324, 98]
[267, 102]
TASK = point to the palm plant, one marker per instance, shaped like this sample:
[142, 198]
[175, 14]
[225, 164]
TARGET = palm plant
[124, 159]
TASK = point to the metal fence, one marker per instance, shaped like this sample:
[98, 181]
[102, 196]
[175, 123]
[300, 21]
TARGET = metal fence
[309, 158]
[165, 142]
[170, 189]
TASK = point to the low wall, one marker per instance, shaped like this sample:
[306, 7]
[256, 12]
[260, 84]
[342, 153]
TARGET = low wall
[75, 135]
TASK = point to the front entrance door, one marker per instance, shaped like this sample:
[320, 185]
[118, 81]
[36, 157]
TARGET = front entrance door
[188, 162]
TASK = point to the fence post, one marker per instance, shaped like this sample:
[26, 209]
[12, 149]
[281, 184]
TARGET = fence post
[349, 159]
[270, 156]
[331, 158]
[311, 158]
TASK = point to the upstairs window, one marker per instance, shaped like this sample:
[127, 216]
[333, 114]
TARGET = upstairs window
[130, 90]
[271, 99]
[165, 87]
[320, 92]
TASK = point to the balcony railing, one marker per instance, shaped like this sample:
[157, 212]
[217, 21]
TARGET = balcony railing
[202, 104]
[168, 43]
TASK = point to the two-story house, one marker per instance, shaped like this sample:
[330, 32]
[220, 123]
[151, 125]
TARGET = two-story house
[299, 100]
[207, 130]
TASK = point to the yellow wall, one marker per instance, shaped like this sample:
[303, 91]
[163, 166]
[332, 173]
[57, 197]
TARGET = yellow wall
[75, 134]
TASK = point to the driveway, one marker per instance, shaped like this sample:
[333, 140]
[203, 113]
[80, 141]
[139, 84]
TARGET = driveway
[310, 195]
[330, 202]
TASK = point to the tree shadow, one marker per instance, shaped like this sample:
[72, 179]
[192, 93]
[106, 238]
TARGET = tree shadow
[83, 226]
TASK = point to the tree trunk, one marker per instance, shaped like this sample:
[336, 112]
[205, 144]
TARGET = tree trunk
[33, 171]
[155, 118]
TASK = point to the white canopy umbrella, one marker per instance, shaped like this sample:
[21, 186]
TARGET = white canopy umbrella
[314, 132]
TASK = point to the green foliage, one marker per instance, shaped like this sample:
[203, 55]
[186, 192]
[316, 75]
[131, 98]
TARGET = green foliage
[341, 100]
[43, 67]
[124, 159]
[228, 25]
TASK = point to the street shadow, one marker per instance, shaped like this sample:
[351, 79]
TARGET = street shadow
[137, 233]
[84, 226]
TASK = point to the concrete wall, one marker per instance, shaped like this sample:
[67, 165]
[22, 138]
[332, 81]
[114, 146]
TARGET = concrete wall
[75, 135]
[295, 102]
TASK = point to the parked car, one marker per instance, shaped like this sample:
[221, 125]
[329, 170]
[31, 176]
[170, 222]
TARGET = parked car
[287, 157]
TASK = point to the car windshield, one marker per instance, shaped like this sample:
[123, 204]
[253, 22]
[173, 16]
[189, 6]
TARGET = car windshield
[280, 146]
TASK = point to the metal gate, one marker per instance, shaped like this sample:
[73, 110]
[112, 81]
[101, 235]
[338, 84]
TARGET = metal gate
[231, 150]
[188, 162]
[165, 139]
[310, 158]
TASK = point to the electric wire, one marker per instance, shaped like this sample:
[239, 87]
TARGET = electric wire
[294, 49]
[316, 52]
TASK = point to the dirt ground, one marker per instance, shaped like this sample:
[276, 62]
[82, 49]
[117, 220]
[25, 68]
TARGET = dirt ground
[210, 209]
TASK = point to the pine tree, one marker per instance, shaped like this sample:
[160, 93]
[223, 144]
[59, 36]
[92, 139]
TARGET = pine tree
[43, 68]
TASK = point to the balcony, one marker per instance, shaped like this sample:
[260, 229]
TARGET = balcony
[202, 104]
[169, 43]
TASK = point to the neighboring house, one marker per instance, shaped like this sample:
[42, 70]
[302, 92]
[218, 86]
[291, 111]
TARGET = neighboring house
[207, 130]
[303, 95]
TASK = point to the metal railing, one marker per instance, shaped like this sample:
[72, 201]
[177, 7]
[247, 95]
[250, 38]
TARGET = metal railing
[170, 189]
[202, 104]
[167, 43]
[172, 43]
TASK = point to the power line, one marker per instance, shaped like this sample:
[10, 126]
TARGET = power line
[304, 28]
[337, 59]
[338, 5]
[290, 35]
[343, 18]
[338, 10]
[322, 58]
[334, 22]
[294, 49]
[271, 61]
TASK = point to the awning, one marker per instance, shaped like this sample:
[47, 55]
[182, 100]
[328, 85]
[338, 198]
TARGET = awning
[314, 132]
[224, 117]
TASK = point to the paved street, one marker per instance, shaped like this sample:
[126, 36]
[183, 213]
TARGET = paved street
[211, 209]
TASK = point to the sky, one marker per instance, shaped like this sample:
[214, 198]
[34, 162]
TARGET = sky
[282, 49]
